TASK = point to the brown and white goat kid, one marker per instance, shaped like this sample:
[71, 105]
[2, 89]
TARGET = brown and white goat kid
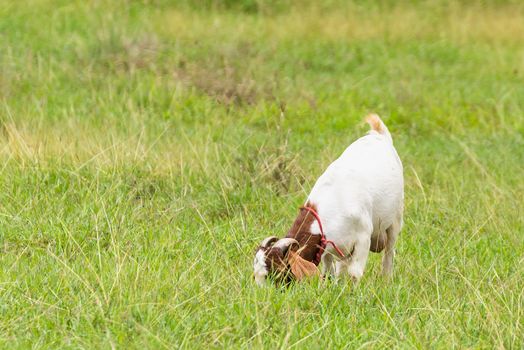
[358, 201]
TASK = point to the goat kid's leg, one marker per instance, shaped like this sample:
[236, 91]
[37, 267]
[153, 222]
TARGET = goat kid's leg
[328, 267]
[389, 254]
[341, 267]
[359, 258]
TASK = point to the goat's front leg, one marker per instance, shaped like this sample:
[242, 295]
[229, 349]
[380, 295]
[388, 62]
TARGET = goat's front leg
[328, 267]
[359, 258]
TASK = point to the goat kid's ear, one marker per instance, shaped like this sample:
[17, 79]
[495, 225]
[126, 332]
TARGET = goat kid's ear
[300, 267]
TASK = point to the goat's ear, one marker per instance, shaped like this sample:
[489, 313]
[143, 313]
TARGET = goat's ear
[300, 267]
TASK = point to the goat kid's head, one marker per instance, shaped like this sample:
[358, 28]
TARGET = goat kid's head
[280, 260]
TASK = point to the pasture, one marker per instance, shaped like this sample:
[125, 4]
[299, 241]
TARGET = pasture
[148, 146]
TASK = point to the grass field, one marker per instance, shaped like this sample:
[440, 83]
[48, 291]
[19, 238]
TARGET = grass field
[147, 148]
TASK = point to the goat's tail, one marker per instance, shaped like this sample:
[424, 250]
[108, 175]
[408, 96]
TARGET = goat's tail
[378, 126]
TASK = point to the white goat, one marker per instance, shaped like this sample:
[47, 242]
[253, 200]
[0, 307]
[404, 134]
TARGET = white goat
[359, 202]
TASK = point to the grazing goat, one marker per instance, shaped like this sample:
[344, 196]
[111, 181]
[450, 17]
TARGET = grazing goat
[356, 206]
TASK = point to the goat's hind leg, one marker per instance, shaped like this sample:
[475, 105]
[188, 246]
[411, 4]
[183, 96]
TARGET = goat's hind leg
[392, 233]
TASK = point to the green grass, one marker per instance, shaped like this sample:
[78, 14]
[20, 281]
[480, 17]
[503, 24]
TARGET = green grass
[147, 148]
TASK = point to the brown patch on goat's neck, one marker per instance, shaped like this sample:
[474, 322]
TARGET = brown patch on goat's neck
[301, 231]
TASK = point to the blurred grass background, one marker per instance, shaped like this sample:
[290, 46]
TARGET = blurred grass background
[148, 146]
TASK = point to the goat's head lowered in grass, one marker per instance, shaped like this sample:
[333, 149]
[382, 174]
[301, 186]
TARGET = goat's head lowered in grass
[280, 259]
[293, 257]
